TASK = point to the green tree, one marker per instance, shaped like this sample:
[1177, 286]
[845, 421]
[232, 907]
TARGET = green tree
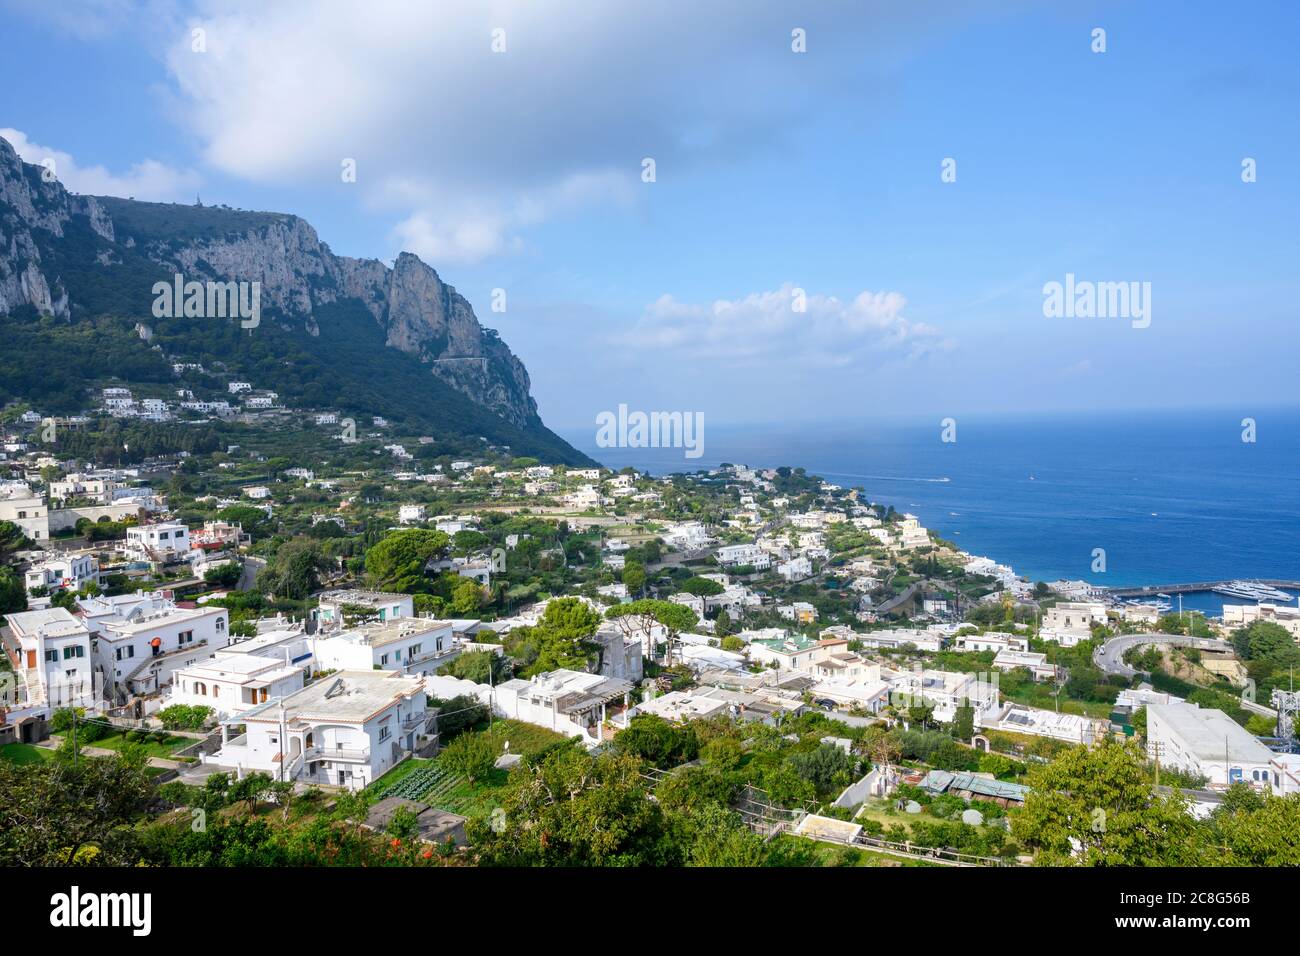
[398, 561]
[11, 539]
[13, 593]
[634, 577]
[963, 723]
[294, 571]
[701, 587]
[470, 755]
[467, 597]
[572, 809]
[1098, 807]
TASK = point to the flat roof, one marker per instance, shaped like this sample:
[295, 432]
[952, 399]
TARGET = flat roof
[361, 596]
[54, 621]
[262, 641]
[241, 668]
[1210, 734]
[348, 696]
[388, 632]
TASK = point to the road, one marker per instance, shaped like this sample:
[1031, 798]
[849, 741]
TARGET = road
[251, 567]
[1110, 656]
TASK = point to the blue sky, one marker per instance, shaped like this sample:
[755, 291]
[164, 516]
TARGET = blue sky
[775, 171]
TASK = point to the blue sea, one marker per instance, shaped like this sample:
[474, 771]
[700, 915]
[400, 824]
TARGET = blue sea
[1171, 498]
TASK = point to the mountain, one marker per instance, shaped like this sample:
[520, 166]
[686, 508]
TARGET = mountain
[77, 276]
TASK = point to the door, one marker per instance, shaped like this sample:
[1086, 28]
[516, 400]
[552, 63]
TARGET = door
[31, 659]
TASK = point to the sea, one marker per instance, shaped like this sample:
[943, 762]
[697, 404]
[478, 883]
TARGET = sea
[1173, 497]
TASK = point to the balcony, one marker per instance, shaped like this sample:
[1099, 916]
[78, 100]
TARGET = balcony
[339, 756]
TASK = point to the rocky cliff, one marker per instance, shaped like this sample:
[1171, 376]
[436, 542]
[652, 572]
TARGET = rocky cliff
[418, 313]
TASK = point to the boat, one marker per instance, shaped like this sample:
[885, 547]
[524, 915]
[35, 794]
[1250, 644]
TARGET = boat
[1251, 591]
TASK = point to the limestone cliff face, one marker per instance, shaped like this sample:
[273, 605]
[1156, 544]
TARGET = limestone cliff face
[418, 312]
[29, 202]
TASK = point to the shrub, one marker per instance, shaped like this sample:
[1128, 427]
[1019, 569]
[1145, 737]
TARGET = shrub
[184, 716]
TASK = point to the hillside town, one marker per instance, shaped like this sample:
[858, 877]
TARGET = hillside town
[410, 637]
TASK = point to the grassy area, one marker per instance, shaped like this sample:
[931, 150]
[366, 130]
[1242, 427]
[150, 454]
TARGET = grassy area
[1041, 696]
[525, 739]
[24, 754]
[165, 747]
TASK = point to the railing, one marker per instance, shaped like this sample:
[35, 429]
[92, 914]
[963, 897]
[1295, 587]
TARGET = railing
[345, 755]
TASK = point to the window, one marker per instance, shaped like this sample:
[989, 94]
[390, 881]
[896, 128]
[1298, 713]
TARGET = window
[51, 656]
[383, 660]
[73, 650]
[185, 637]
[384, 733]
[221, 624]
[415, 649]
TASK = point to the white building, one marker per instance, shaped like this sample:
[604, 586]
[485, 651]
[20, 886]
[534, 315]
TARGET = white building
[410, 514]
[93, 487]
[158, 541]
[70, 572]
[1070, 622]
[911, 534]
[945, 691]
[1073, 728]
[139, 644]
[19, 506]
[1036, 664]
[898, 638]
[346, 730]
[748, 555]
[231, 683]
[573, 703]
[1243, 615]
[796, 569]
[410, 645]
[380, 604]
[996, 641]
[1208, 743]
[51, 658]
[620, 654]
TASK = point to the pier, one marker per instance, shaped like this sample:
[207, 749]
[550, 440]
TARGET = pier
[1154, 589]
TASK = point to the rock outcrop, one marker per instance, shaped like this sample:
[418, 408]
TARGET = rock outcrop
[418, 312]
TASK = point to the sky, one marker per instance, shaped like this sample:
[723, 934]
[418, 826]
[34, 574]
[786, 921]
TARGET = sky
[862, 228]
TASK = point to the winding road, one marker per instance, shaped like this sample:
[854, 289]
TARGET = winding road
[1110, 656]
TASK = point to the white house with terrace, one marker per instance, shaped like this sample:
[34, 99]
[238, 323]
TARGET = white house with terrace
[410, 645]
[346, 730]
[140, 644]
[748, 555]
[50, 653]
[163, 540]
[380, 604]
[234, 683]
[573, 703]
[67, 572]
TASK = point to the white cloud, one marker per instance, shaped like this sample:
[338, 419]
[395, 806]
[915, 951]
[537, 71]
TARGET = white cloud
[467, 148]
[147, 180]
[768, 328]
